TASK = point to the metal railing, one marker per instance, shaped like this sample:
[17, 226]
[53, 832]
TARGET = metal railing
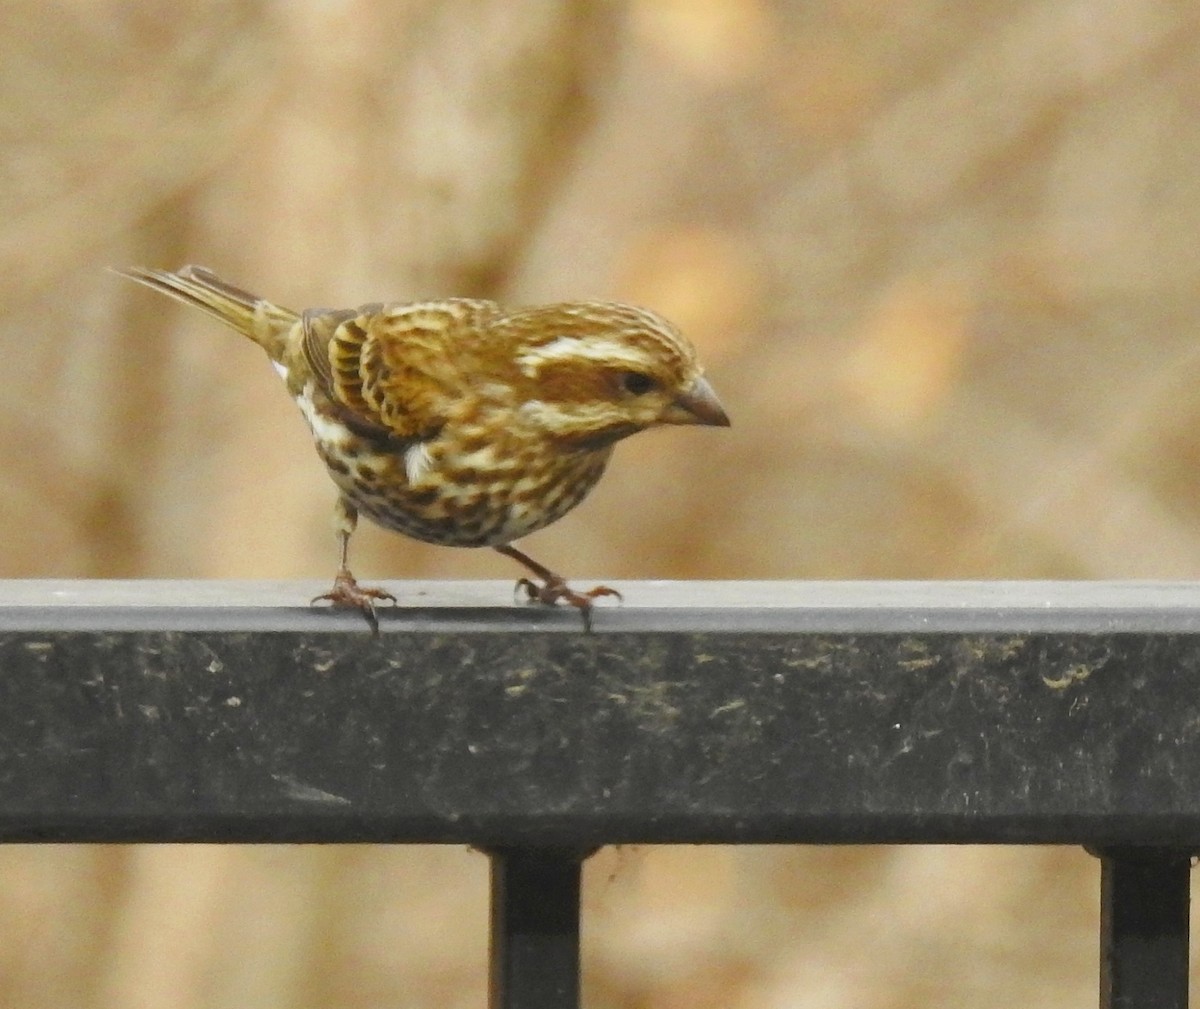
[730, 712]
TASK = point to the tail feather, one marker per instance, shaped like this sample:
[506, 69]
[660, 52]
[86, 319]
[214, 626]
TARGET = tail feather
[263, 322]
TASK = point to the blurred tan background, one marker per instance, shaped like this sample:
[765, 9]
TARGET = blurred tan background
[941, 260]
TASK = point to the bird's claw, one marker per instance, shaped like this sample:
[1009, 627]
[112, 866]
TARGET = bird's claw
[552, 590]
[347, 593]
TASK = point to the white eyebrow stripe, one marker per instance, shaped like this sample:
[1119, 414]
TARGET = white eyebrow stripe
[574, 348]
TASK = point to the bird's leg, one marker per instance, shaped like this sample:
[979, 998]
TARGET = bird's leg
[554, 587]
[346, 591]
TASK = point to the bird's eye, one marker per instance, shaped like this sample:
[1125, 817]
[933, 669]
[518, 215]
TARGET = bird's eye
[636, 383]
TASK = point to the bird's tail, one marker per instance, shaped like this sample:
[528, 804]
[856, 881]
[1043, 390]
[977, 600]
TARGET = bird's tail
[266, 324]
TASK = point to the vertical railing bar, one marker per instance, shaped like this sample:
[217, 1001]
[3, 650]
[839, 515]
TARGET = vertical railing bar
[1144, 898]
[534, 937]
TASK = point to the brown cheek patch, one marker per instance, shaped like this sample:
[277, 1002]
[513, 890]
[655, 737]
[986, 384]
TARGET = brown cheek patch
[567, 382]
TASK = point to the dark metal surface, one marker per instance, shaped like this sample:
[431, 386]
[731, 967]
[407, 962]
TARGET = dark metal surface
[776, 712]
[1144, 898]
[534, 948]
[672, 607]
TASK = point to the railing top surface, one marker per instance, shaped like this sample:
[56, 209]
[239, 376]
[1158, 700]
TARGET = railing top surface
[715, 606]
[697, 712]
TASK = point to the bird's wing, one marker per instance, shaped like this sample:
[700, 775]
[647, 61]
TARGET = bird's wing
[396, 368]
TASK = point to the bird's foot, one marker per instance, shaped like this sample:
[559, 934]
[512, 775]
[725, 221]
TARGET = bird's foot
[346, 592]
[554, 587]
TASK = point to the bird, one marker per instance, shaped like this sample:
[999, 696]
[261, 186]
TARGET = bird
[460, 422]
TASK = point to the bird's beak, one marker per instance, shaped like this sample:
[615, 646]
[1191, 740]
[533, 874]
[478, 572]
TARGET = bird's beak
[698, 404]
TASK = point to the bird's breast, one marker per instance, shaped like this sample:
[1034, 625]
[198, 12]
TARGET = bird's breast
[466, 487]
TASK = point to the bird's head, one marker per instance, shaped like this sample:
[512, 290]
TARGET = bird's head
[596, 372]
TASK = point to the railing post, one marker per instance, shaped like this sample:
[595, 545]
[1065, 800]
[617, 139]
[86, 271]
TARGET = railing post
[534, 949]
[1144, 896]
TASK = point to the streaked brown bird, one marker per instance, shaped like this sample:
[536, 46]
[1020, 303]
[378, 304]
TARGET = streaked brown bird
[459, 422]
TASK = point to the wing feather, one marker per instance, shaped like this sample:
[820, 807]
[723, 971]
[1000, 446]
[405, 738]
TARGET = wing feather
[397, 368]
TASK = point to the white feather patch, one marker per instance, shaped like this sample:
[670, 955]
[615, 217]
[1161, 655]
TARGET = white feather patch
[554, 417]
[328, 431]
[283, 372]
[417, 462]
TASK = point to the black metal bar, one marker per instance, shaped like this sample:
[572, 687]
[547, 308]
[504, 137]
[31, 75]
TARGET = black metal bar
[1144, 896]
[894, 607]
[713, 712]
[695, 713]
[534, 955]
